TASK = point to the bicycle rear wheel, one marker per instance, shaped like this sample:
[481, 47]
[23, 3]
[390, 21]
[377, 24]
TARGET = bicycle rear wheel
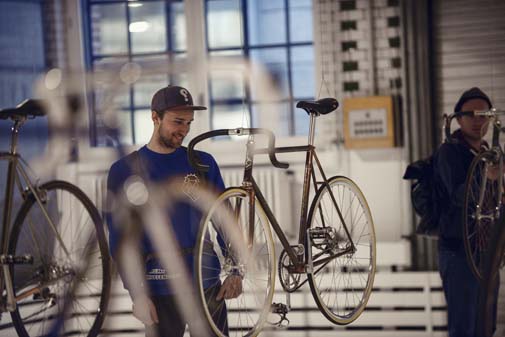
[481, 209]
[60, 254]
[225, 248]
[342, 285]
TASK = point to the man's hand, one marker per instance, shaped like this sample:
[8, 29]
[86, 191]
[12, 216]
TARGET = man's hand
[231, 288]
[145, 311]
[493, 171]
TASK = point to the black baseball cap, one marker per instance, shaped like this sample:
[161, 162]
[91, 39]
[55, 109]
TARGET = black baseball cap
[472, 93]
[173, 98]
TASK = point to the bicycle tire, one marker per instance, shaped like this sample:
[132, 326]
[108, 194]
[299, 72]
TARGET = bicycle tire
[480, 206]
[257, 269]
[52, 270]
[342, 306]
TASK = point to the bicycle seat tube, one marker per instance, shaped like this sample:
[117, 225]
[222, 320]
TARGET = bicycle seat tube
[11, 156]
[306, 181]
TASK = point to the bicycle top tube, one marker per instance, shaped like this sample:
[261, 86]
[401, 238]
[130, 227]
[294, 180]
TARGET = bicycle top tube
[233, 132]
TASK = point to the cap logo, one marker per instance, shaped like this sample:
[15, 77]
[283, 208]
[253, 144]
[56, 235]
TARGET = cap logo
[184, 93]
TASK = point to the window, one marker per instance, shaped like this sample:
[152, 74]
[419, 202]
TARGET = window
[121, 31]
[276, 33]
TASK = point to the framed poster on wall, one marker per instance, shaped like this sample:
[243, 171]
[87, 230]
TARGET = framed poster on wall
[369, 122]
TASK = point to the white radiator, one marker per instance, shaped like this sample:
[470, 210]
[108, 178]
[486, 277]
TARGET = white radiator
[275, 184]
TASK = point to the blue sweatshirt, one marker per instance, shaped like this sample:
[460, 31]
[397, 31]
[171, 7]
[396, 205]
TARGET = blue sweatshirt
[185, 219]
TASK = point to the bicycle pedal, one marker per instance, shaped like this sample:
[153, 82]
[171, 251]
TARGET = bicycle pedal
[7, 259]
[279, 308]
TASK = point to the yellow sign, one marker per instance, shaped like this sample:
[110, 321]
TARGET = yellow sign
[368, 122]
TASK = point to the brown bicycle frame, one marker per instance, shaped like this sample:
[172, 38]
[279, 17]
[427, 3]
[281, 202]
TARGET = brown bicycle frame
[250, 185]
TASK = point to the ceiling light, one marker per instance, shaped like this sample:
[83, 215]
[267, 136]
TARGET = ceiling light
[139, 26]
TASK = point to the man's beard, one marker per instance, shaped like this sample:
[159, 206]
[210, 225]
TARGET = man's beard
[167, 142]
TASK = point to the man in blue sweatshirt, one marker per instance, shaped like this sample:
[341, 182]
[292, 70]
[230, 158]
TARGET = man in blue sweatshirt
[165, 158]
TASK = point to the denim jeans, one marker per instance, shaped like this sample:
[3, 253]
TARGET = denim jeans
[171, 322]
[461, 290]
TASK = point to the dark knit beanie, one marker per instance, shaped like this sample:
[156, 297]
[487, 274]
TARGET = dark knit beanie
[472, 94]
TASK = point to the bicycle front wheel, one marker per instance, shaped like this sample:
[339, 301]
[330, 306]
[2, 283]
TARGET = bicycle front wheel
[65, 236]
[481, 210]
[235, 241]
[344, 270]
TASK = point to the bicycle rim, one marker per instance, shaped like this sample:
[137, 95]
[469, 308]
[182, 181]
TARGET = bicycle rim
[48, 281]
[342, 286]
[479, 212]
[220, 253]
[489, 290]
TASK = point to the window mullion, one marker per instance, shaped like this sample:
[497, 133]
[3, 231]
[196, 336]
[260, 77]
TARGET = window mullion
[245, 46]
[290, 85]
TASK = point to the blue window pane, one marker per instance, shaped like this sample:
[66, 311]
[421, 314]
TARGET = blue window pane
[227, 84]
[302, 122]
[182, 80]
[224, 24]
[275, 62]
[105, 92]
[266, 22]
[300, 21]
[125, 126]
[178, 26]
[230, 116]
[108, 29]
[147, 27]
[22, 41]
[272, 116]
[143, 126]
[302, 71]
[145, 88]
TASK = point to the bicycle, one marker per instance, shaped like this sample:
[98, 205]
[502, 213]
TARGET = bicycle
[484, 190]
[55, 247]
[336, 240]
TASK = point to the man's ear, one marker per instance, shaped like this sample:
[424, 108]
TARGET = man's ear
[155, 117]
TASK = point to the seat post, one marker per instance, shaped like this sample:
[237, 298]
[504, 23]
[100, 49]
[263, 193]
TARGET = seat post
[14, 135]
[312, 127]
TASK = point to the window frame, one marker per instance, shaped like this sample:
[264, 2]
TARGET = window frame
[91, 59]
[199, 9]
[246, 49]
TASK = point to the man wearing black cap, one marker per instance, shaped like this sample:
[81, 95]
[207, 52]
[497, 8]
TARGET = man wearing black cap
[161, 159]
[451, 164]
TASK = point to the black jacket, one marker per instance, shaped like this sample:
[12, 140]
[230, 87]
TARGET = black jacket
[451, 164]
